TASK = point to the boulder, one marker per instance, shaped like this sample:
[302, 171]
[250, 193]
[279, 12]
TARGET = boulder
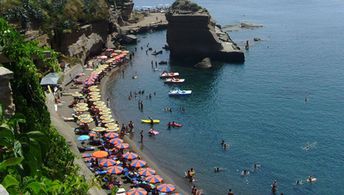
[204, 64]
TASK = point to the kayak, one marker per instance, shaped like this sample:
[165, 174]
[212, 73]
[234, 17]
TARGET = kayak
[169, 74]
[179, 92]
[174, 124]
[174, 80]
[153, 132]
[148, 121]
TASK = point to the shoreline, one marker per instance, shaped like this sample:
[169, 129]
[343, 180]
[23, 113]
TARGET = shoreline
[169, 177]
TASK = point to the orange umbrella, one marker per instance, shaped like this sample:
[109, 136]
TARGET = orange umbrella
[107, 162]
[166, 188]
[146, 171]
[130, 155]
[100, 154]
[154, 179]
[138, 163]
[115, 170]
[136, 191]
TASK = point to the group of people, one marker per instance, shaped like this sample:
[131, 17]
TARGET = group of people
[190, 174]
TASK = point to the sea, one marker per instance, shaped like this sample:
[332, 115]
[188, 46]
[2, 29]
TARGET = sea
[282, 109]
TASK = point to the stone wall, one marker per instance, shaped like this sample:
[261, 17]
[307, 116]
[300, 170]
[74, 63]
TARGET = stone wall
[6, 98]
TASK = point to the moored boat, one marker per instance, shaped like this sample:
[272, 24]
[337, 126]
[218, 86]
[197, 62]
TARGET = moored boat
[169, 74]
[179, 92]
[174, 80]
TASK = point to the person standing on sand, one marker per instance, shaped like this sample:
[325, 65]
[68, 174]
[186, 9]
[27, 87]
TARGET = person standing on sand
[141, 135]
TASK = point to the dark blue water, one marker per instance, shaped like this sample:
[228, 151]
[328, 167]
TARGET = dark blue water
[258, 107]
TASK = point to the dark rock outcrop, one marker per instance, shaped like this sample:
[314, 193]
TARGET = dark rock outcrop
[192, 33]
[204, 64]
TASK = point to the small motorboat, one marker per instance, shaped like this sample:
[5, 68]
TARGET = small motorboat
[148, 121]
[174, 80]
[153, 132]
[174, 124]
[179, 92]
[169, 74]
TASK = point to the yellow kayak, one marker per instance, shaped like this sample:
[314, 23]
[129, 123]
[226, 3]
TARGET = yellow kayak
[148, 121]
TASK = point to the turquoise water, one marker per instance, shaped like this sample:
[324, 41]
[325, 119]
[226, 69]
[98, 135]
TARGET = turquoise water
[258, 107]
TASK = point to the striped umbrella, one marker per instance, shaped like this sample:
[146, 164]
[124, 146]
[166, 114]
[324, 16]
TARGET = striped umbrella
[94, 93]
[84, 116]
[94, 99]
[89, 120]
[138, 163]
[115, 170]
[108, 120]
[80, 109]
[95, 90]
[136, 191]
[111, 130]
[86, 155]
[105, 113]
[98, 129]
[107, 162]
[111, 125]
[116, 141]
[100, 154]
[146, 171]
[104, 117]
[166, 188]
[154, 179]
[130, 155]
[111, 135]
[122, 146]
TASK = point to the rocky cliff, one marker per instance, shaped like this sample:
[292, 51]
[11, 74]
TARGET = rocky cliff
[191, 33]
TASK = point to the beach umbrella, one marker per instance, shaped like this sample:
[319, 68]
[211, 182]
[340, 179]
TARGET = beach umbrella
[81, 105]
[98, 129]
[94, 93]
[108, 120]
[83, 137]
[154, 179]
[146, 171]
[104, 117]
[111, 135]
[166, 188]
[138, 163]
[86, 155]
[95, 90]
[130, 155]
[94, 99]
[105, 113]
[80, 109]
[122, 146]
[115, 170]
[94, 96]
[100, 154]
[112, 129]
[89, 120]
[116, 141]
[93, 87]
[136, 191]
[111, 125]
[84, 116]
[107, 162]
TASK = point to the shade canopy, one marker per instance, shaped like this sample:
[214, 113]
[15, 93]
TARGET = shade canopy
[50, 79]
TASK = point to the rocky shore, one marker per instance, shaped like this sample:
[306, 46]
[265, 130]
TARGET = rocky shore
[191, 33]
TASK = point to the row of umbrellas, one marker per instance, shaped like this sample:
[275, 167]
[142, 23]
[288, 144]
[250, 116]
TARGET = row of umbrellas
[113, 166]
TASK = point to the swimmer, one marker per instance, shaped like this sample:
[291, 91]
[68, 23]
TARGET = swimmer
[311, 179]
[245, 172]
[299, 182]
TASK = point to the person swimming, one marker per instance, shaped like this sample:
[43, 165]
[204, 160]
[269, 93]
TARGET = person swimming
[245, 172]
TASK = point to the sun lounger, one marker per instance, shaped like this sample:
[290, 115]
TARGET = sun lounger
[67, 119]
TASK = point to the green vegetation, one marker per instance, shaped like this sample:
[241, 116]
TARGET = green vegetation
[186, 5]
[34, 158]
[56, 15]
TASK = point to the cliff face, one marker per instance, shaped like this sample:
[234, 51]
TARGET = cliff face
[193, 34]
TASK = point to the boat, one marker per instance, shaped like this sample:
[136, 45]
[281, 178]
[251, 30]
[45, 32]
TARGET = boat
[169, 74]
[174, 80]
[153, 132]
[148, 121]
[179, 92]
[162, 62]
[174, 124]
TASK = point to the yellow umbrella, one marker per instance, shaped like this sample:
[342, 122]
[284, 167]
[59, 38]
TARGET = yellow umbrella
[84, 116]
[114, 129]
[103, 108]
[94, 99]
[98, 129]
[77, 94]
[95, 96]
[81, 104]
[108, 120]
[111, 125]
[80, 109]
[105, 113]
[95, 89]
[87, 120]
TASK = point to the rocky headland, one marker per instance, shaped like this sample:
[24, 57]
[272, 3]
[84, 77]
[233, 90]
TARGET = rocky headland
[193, 34]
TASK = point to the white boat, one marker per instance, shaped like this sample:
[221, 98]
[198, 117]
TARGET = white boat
[179, 92]
[174, 80]
[169, 74]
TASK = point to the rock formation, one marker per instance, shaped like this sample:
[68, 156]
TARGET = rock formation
[204, 64]
[191, 33]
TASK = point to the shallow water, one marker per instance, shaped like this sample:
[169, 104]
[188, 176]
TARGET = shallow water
[259, 107]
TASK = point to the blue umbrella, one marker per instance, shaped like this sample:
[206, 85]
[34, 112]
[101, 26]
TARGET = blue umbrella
[83, 137]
